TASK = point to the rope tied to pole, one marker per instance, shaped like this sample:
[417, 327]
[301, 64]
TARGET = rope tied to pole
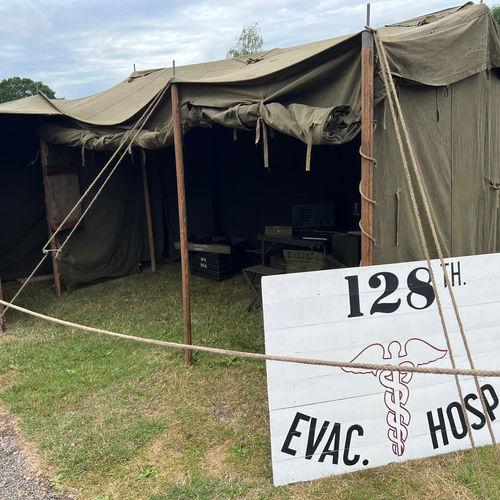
[369, 236]
[369, 200]
[366, 157]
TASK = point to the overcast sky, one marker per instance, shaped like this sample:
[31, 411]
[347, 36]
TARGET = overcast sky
[81, 47]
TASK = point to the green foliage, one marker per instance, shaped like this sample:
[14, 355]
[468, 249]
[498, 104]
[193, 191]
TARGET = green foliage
[238, 449]
[204, 487]
[56, 481]
[147, 472]
[249, 42]
[17, 88]
[495, 12]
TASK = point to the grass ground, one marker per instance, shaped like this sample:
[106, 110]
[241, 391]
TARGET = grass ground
[123, 420]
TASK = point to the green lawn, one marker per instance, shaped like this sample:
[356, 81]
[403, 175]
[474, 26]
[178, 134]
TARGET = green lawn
[121, 419]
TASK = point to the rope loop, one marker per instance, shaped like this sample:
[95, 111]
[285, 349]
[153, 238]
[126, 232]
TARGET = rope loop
[369, 236]
[369, 200]
[366, 157]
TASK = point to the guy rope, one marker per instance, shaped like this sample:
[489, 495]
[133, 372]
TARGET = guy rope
[400, 125]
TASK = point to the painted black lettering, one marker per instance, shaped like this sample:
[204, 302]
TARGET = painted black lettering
[433, 428]
[391, 285]
[475, 425]
[455, 273]
[335, 452]
[490, 405]
[458, 434]
[353, 297]
[354, 460]
[312, 444]
[293, 432]
[419, 287]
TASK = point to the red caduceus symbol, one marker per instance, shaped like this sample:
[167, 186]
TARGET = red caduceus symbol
[415, 352]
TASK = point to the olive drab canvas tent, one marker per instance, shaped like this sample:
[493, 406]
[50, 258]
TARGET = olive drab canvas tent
[303, 105]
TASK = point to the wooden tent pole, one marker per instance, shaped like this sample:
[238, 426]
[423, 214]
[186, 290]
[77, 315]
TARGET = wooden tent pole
[148, 211]
[366, 186]
[181, 199]
[2, 318]
[44, 155]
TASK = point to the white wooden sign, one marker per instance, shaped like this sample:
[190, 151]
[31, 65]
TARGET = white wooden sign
[327, 420]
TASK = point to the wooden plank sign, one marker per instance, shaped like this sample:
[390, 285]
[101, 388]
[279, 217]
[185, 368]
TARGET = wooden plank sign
[327, 420]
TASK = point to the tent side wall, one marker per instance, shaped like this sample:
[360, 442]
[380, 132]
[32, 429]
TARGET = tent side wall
[113, 239]
[22, 206]
[454, 133]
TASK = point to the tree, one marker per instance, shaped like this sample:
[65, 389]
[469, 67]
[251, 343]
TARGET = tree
[249, 42]
[17, 88]
[495, 12]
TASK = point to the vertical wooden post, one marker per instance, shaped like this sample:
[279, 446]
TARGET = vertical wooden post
[44, 155]
[366, 186]
[148, 211]
[2, 318]
[181, 198]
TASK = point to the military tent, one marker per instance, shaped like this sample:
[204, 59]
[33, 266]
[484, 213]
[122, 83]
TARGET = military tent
[303, 104]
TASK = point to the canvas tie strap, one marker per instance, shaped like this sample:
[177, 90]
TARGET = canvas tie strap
[309, 148]
[261, 124]
[398, 201]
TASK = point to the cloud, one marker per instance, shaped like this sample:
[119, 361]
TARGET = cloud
[81, 47]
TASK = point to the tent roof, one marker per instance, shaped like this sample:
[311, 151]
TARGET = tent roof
[435, 49]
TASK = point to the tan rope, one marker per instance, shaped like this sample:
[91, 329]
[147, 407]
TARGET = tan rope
[440, 254]
[366, 157]
[392, 94]
[369, 236]
[265, 357]
[363, 195]
[140, 123]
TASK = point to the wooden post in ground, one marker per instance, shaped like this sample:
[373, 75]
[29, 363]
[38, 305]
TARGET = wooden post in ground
[44, 155]
[181, 198]
[366, 186]
[2, 318]
[148, 211]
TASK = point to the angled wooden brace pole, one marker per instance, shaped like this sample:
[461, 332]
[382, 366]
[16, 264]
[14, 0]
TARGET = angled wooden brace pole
[2, 318]
[366, 186]
[44, 155]
[181, 199]
[147, 203]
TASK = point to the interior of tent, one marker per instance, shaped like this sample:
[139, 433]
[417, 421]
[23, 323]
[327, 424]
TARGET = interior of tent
[229, 193]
